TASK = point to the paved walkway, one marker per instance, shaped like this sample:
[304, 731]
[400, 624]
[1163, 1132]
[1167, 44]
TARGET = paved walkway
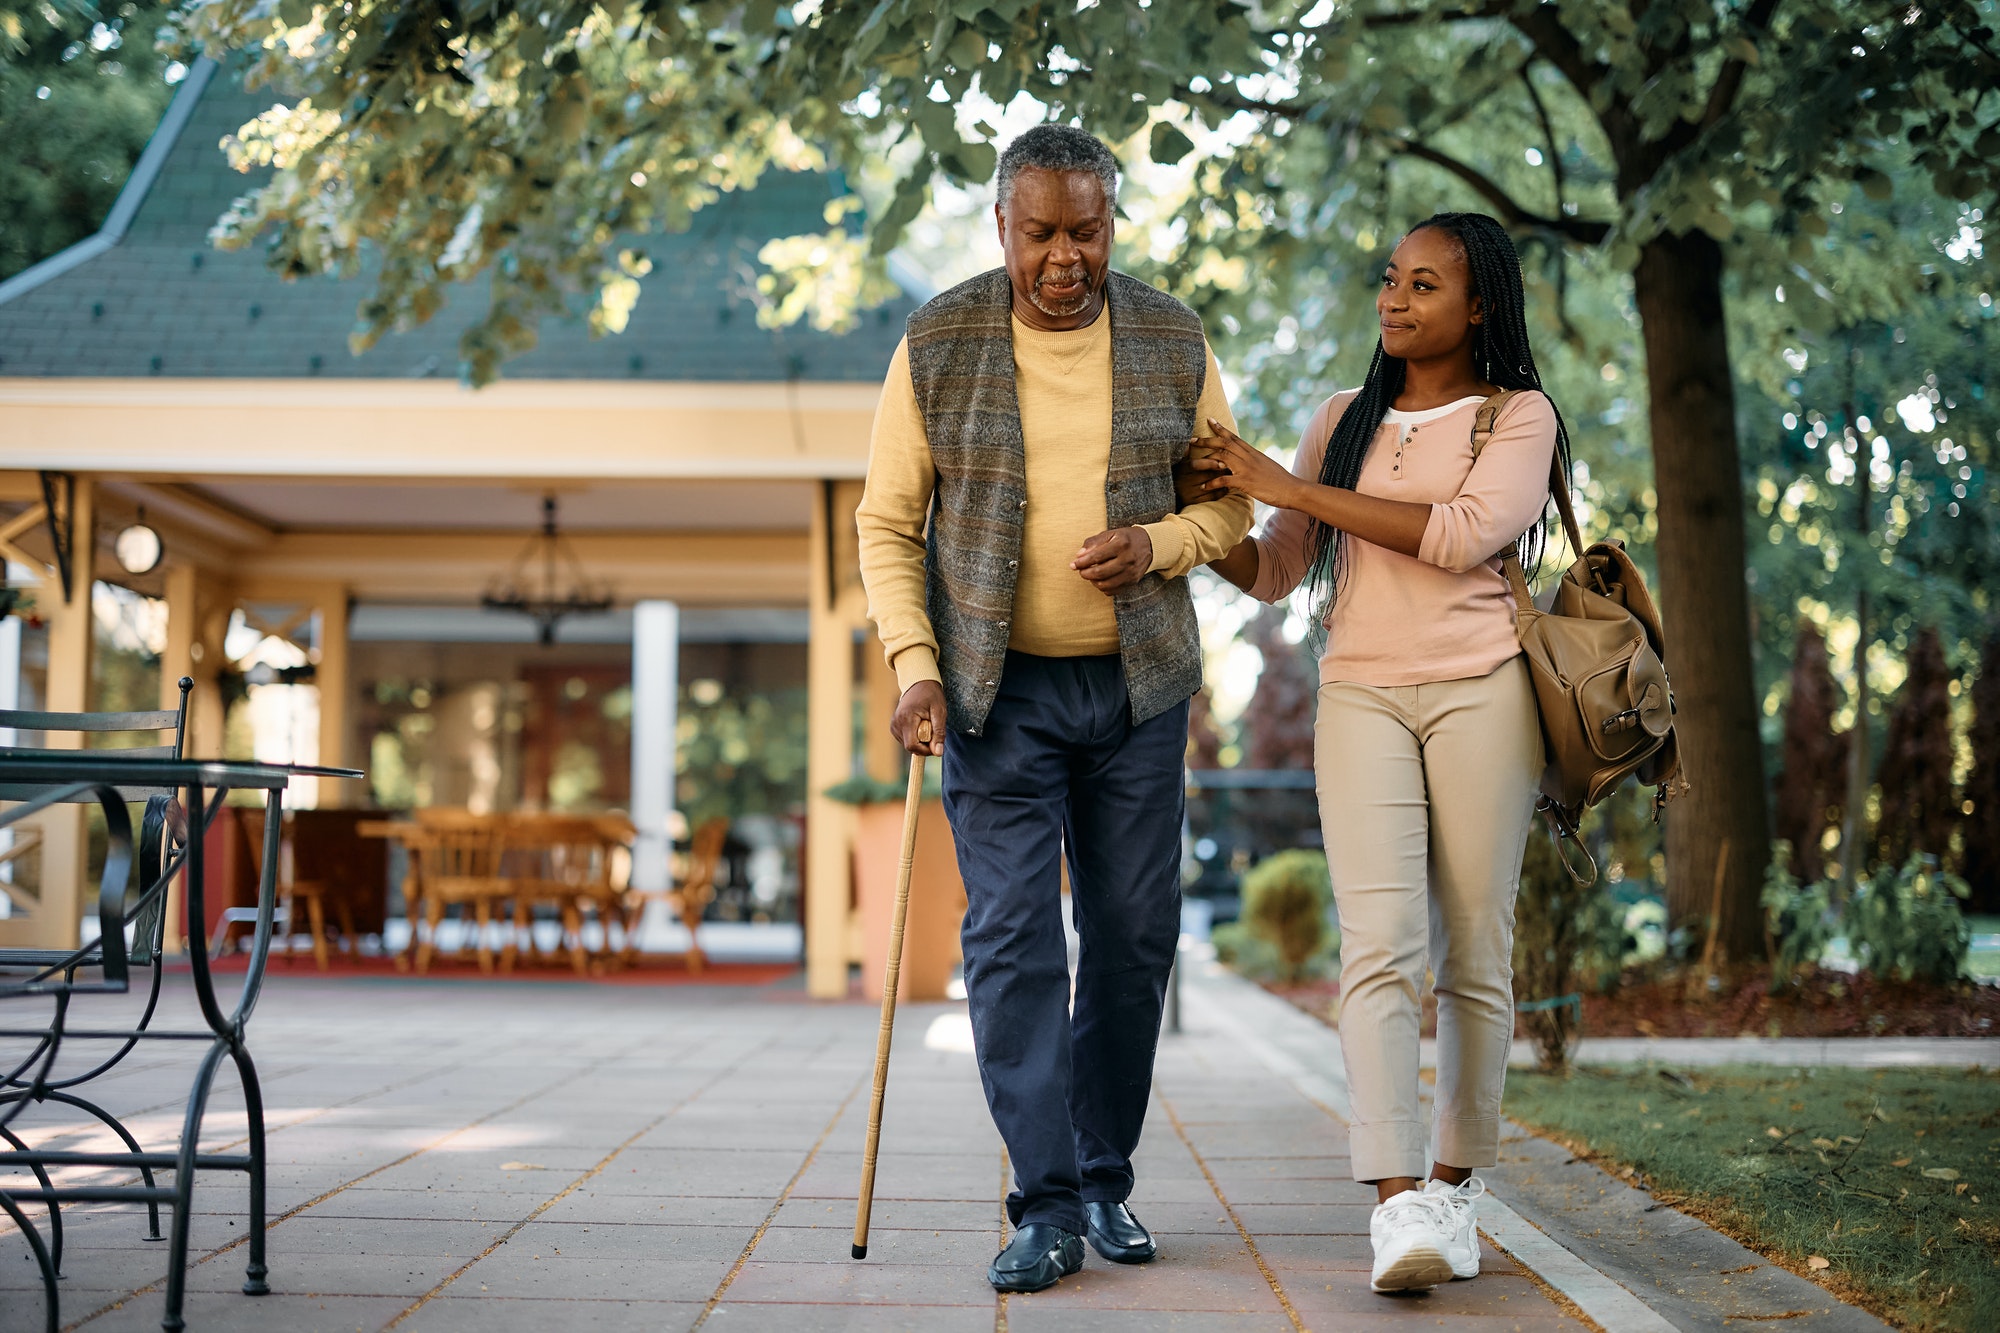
[479, 1156]
[470, 1155]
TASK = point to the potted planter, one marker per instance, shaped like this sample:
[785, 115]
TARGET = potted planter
[937, 894]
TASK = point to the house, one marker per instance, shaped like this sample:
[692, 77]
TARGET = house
[331, 522]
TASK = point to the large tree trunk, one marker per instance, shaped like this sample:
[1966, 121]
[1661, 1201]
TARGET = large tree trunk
[1717, 834]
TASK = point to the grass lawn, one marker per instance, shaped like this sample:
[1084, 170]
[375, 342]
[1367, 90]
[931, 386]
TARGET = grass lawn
[1883, 1184]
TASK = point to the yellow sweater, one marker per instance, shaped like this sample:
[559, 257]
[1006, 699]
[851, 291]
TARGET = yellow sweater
[1063, 383]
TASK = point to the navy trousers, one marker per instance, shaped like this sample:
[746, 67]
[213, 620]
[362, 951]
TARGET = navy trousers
[1060, 765]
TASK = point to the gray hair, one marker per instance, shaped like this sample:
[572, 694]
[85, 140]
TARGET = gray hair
[1057, 148]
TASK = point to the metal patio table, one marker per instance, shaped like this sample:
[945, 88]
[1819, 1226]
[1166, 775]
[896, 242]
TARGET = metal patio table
[100, 776]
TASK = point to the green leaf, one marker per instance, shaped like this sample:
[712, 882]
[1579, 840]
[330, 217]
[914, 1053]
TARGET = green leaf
[968, 49]
[1168, 144]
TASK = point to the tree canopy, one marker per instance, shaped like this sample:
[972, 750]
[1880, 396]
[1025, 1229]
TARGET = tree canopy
[1664, 164]
[80, 93]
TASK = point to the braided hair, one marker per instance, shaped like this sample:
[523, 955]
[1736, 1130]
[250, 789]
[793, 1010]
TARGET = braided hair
[1501, 356]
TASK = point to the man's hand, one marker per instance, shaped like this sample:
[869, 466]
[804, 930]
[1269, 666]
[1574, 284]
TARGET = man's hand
[922, 702]
[1190, 477]
[1115, 559]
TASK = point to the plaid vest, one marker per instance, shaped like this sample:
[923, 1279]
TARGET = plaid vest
[961, 350]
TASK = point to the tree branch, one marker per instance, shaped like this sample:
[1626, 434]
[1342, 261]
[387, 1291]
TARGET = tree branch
[1584, 231]
[1555, 171]
[1225, 95]
[1559, 46]
[1403, 18]
[1729, 81]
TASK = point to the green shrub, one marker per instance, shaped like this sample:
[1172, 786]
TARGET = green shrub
[1246, 952]
[1904, 924]
[1798, 919]
[1907, 923]
[1284, 927]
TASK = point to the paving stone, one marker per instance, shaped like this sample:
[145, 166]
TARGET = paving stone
[911, 1214]
[1307, 1219]
[887, 1245]
[584, 1240]
[546, 1274]
[484, 1314]
[755, 1317]
[233, 1310]
[843, 1281]
[595, 1205]
[1326, 1293]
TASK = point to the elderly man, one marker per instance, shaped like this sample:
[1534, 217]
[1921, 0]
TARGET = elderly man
[1041, 624]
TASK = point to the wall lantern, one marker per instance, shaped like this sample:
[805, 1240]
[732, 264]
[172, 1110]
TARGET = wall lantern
[138, 547]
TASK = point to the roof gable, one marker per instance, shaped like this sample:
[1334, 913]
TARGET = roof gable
[148, 295]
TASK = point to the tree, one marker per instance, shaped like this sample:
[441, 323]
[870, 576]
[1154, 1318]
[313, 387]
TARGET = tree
[80, 93]
[1809, 787]
[1919, 809]
[1982, 784]
[1687, 142]
[1277, 724]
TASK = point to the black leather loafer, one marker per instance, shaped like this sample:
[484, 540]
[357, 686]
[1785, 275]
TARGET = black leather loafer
[1117, 1235]
[1040, 1255]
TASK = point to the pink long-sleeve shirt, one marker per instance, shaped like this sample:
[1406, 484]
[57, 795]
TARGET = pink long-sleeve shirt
[1447, 614]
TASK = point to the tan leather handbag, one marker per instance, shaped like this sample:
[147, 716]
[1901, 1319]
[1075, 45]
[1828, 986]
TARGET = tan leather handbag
[1597, 658]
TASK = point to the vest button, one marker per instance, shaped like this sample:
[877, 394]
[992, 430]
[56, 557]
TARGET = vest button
[1013, 564]
[1003, 624]
[1113, 486]
[992, 682]
[1022, 505]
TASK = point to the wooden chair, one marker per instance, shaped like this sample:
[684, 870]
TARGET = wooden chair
[566, 861]
[322, 886]
[459, 864]
[688, 899]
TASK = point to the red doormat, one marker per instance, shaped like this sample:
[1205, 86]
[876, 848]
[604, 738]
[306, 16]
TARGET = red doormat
[651, 970]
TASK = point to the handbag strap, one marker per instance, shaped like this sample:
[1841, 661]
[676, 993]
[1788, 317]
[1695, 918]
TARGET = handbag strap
[1482, 431]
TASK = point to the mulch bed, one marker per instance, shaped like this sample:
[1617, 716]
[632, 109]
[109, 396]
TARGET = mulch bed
[1828, 1004]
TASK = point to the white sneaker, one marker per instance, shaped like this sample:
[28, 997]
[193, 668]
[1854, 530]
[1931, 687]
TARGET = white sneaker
[1461, 1201]
[1412, 1232]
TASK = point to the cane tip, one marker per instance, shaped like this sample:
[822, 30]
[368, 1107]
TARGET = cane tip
[860, 1251]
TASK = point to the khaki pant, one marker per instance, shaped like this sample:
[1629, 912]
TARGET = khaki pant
[1425, 796]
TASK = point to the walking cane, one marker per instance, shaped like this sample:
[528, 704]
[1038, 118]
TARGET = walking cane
[890, 976]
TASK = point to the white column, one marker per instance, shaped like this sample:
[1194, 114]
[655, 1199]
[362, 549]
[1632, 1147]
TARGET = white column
[656, 641]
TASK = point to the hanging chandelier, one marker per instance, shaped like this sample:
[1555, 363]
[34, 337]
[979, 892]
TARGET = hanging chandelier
[547, 604]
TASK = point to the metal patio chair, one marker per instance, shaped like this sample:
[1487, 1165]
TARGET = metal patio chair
[102, 968]
[190, 792]
[161, 845]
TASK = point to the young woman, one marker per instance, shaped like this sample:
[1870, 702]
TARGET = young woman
[1427, 747]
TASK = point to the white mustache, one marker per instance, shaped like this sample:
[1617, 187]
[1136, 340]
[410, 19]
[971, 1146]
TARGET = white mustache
[1063, 277]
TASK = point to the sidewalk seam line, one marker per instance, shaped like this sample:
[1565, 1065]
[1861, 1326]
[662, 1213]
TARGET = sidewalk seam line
[786, 1193]
[1249, 1242]
[576, 1184]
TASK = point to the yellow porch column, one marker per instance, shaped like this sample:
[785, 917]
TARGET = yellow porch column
[331, 675]
[834, 596]
[64, 850]
[887, 761]
[178, 661]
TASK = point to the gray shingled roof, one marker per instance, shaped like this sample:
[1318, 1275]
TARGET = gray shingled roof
[161, 301]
